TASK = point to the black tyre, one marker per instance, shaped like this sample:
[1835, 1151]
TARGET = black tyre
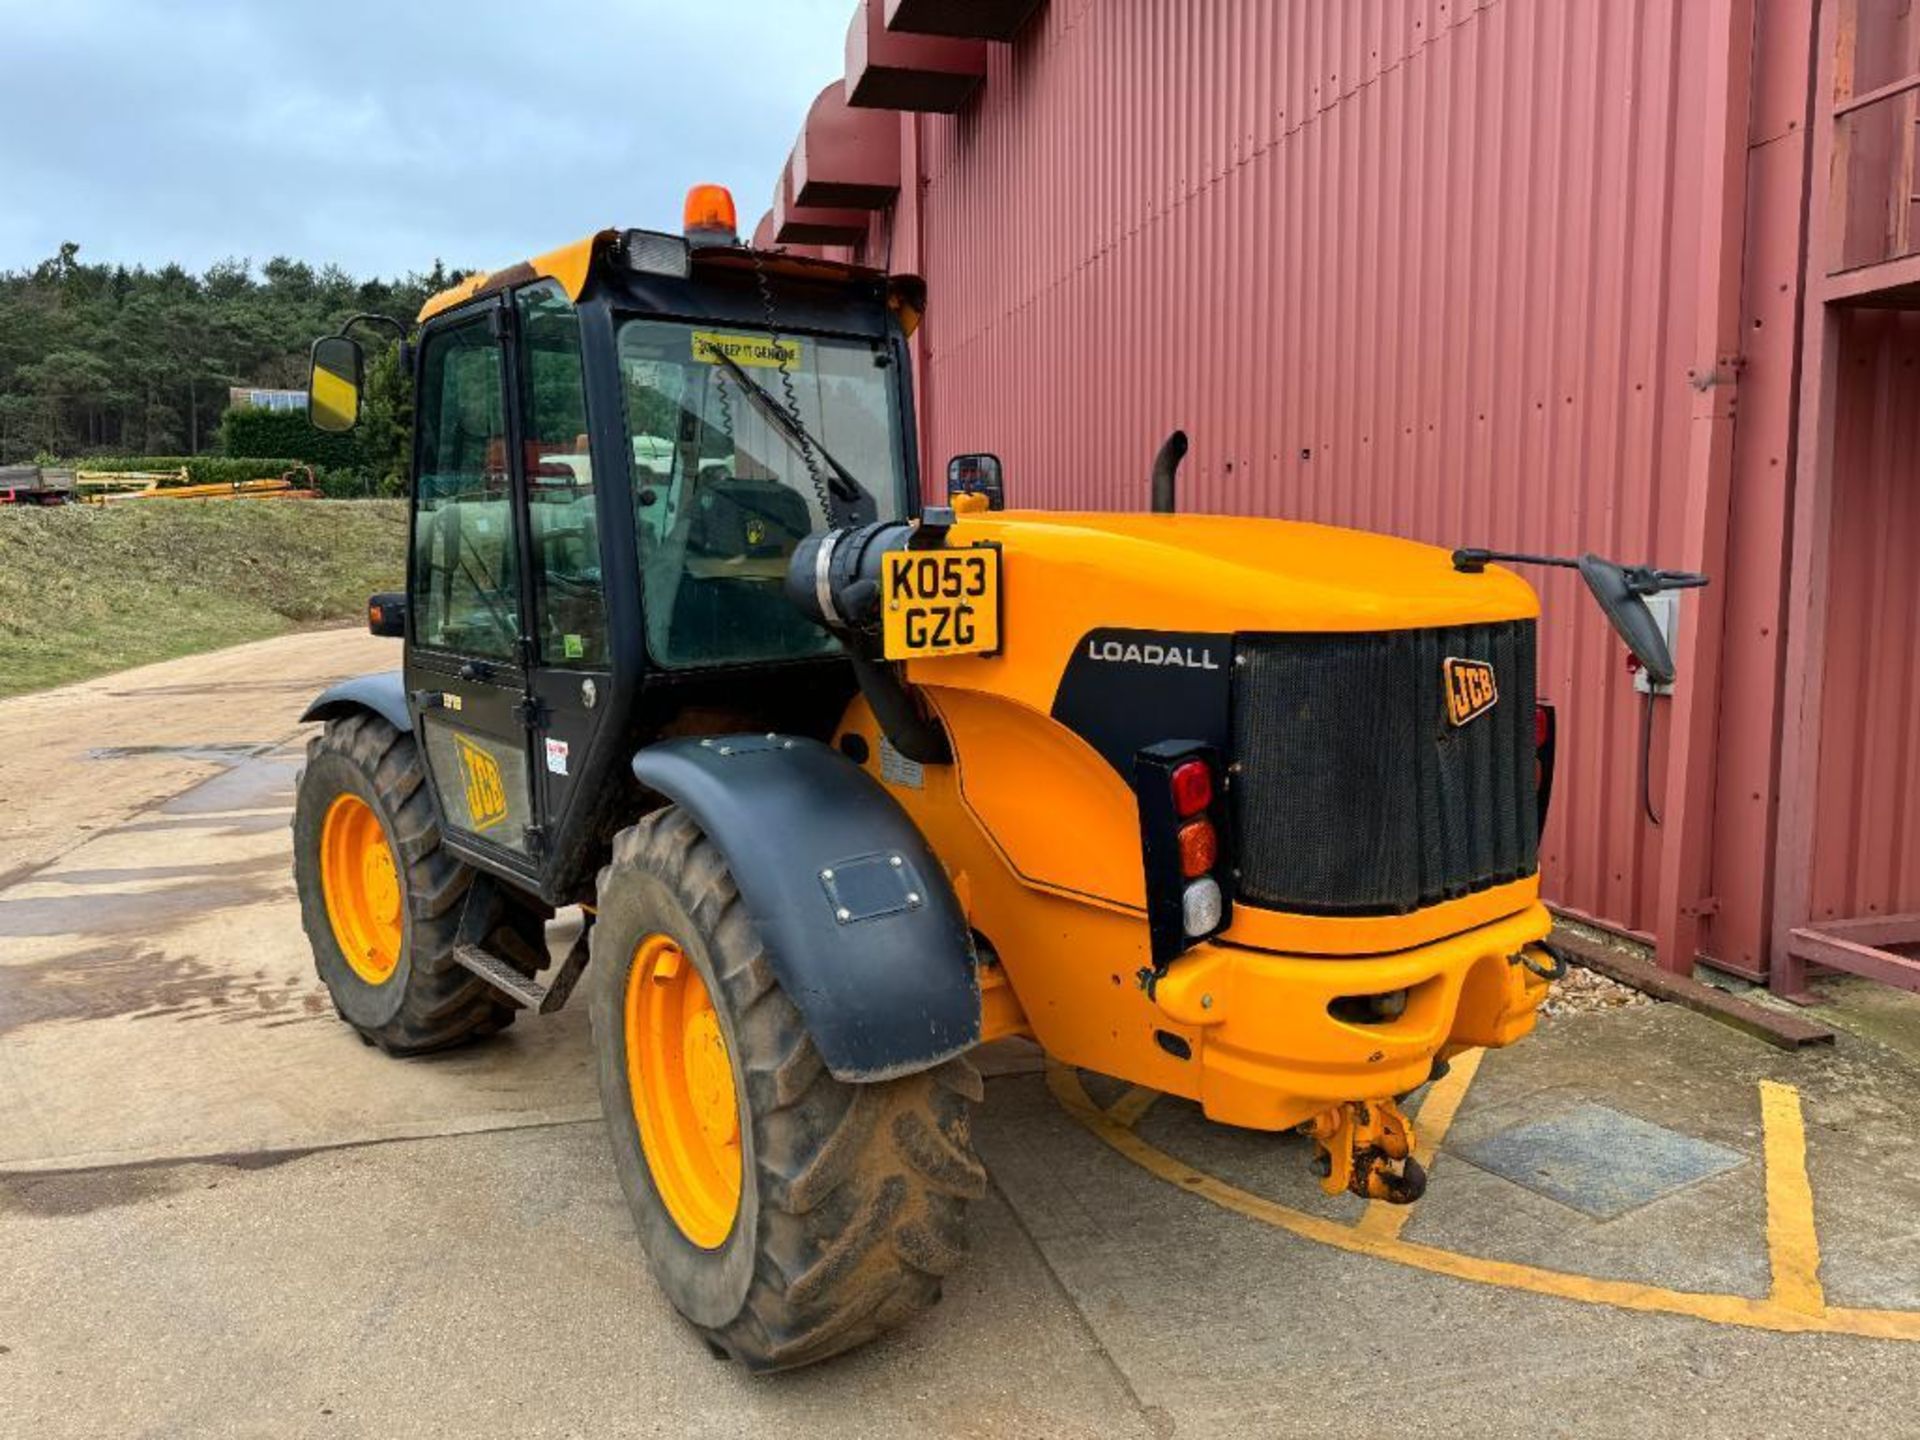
[847, 1201]
[381, 900]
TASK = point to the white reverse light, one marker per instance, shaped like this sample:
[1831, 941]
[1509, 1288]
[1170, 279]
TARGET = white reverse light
[1200, 907]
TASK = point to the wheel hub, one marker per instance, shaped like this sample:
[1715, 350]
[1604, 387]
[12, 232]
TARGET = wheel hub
[361, 884]
[685, 1105]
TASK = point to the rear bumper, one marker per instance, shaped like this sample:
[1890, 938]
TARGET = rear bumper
[1269, 1053]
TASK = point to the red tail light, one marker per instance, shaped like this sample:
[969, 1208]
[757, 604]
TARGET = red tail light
[1192, 784]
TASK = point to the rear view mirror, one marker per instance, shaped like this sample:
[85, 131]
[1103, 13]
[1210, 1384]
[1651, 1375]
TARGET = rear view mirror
[335, 380]
[977, 475]
[387, 614]
[1628, 612]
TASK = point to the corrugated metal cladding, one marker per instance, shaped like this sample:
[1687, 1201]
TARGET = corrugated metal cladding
[1867, 826]
[1419, 267]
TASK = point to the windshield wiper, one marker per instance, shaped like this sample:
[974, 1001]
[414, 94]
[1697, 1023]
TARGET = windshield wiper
[846, 489]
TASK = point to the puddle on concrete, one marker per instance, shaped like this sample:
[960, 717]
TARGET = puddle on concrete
[212, 826]
[216, 752]
[81, 1192]
[254, 784]
[121, 874]
[144, 982]
[140, 912]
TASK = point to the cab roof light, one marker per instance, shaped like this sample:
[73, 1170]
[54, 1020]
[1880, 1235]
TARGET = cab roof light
[651, 253]
[709, 216]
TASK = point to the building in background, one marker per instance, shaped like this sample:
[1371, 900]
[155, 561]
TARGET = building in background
[1543, 276]
[241, 397]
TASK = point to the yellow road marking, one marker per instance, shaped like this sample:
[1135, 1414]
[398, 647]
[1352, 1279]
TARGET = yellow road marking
[1763, 1314]
[1430, 1127]
[1793, 1248]
[1128, 1109]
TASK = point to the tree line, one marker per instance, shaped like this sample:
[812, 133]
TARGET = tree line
[103, 360]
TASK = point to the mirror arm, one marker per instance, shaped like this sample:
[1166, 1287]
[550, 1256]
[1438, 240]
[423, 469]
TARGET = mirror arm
[1641, 579]
[368, 317]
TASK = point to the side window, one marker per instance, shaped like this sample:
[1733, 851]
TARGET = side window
[465, 566]
[569, 608]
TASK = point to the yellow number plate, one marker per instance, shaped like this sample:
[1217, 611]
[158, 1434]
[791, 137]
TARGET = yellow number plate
[940, 602]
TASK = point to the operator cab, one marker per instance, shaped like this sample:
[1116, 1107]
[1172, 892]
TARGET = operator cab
[618, 447]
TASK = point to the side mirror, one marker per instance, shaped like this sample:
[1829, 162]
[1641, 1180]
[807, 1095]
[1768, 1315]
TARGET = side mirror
[1627, 610]
[977, 475]
[387, 614]
[335, 379]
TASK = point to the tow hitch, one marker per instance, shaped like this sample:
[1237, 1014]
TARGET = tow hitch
[1366, 1147]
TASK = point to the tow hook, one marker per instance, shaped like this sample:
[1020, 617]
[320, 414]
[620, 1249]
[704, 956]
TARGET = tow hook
[1366, 1147]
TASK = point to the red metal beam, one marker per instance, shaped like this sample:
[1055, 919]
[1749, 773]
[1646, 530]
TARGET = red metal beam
[1893, 280]
[888, 70]
[1806, 623]
[960, 19]
[1686, 840]
[1819, 946]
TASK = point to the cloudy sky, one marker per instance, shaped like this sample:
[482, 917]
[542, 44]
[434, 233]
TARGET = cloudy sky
[382, 134]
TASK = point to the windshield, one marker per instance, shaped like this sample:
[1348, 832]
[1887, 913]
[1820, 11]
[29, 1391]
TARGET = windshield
[722, 494]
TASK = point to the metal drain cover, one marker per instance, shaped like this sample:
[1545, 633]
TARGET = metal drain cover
[1598, 1161]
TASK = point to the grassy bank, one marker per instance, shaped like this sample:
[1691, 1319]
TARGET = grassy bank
[89, 589]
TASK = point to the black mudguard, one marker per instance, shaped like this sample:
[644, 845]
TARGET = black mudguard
[861, 924]
[384, 694]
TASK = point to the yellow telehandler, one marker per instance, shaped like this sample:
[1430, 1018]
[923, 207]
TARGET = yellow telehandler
[1246, 811]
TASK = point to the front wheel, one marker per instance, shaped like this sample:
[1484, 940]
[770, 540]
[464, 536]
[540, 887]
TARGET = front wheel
[788, 1215]
[382, 900]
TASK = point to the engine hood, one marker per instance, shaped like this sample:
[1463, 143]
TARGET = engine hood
[1069, 575]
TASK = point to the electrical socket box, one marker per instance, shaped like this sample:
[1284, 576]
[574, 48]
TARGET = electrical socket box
[1666, 614]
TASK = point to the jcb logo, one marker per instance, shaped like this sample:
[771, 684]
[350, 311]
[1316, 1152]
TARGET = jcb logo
[486, 791]
[1470, 689]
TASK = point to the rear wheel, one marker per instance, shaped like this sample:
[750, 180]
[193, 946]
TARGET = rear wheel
[787, 1214]
[381, 900]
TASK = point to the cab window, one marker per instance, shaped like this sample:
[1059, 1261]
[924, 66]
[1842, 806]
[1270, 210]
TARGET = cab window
[465, 563]
[569, 608]
[722, 495]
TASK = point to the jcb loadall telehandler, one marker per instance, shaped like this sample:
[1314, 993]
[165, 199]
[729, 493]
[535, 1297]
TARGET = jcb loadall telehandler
[1242, 810]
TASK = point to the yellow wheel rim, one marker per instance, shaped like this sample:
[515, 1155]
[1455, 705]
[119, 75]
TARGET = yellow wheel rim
[362, 887]
[681, 1079]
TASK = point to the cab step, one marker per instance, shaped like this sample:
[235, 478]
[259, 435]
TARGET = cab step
[524, 990]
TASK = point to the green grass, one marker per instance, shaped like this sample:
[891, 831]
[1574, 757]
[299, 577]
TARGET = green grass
[89, 589]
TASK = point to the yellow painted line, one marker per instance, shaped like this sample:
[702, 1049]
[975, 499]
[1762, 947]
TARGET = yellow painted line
[1128, 1109]
[1793, 1247]
[1430, 1127]
[1764, 1314]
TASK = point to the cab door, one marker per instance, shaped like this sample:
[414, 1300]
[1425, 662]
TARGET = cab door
[571, 684]
[467, 655]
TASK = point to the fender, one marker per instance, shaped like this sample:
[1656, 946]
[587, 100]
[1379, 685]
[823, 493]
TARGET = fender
[385, 694]
[860, 922]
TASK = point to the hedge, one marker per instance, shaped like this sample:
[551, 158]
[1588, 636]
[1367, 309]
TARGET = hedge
[249, 433]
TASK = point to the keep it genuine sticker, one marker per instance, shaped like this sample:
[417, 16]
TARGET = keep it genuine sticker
[747, 350]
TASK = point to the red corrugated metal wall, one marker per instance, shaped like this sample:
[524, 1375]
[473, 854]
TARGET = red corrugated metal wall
[1419, 267]
[1867, 826]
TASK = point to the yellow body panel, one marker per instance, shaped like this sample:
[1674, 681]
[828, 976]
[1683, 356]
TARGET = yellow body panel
[570, 265]
[1041, 834]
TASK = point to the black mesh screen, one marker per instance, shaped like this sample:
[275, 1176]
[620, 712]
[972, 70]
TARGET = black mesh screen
[1353, 795]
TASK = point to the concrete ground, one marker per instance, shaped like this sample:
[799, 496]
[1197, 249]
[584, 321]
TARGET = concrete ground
[221, 1215]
